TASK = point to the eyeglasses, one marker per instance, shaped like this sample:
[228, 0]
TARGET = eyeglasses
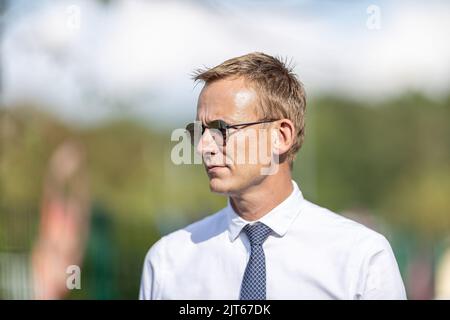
[218, 130]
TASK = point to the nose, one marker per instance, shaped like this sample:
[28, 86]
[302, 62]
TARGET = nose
[206, 144]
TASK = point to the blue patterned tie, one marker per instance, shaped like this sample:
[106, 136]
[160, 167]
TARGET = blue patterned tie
[254, 282]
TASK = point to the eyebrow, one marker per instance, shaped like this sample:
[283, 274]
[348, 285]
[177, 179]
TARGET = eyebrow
[214, 120]
[225, 120]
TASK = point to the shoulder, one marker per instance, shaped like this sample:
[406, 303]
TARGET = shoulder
[365, 254]
[189, 236]
[341, 230]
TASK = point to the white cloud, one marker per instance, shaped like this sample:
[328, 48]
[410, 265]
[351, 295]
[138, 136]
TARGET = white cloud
[140, 53]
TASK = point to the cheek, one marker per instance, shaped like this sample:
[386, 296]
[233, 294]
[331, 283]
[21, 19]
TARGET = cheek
[268, 146]
[251, 149]
[237, 150]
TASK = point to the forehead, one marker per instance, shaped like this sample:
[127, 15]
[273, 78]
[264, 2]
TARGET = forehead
[227, 99]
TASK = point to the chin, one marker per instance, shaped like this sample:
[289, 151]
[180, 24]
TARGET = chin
[218, 185]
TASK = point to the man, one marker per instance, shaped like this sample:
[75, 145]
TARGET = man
[269, 242]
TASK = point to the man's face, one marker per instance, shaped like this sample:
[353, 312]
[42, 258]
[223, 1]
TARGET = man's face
[229, 168]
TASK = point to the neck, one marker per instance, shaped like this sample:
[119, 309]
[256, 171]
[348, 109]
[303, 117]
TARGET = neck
[260, 199]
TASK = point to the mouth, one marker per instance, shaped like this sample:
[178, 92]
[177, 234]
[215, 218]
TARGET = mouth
[214, 168]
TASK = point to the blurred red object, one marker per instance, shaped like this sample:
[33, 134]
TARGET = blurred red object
[64, 221]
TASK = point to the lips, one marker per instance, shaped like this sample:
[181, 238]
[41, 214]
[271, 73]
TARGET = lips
[212, 168]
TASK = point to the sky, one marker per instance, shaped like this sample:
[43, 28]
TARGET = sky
[87, 60]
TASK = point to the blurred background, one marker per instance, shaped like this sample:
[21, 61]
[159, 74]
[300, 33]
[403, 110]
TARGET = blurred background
[90, 92]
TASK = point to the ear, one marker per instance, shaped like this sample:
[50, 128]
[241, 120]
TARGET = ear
[284, 136]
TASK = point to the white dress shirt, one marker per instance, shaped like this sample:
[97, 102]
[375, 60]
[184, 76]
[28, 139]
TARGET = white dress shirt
[312, 253]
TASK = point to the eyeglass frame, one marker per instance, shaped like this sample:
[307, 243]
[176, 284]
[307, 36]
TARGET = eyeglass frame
[223, 128]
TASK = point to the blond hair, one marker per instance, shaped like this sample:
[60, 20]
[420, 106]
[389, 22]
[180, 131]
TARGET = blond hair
[281, 94]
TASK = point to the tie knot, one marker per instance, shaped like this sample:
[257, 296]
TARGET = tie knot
[257, 233]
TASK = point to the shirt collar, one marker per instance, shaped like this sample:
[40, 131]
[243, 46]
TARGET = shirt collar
[278, 219]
